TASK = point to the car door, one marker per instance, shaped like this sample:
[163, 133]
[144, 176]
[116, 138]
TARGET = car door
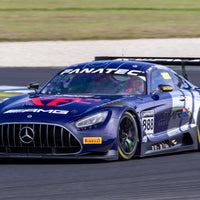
[189, 101]
[169, 105]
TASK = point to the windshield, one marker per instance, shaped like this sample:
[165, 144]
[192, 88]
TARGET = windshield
[95, 84]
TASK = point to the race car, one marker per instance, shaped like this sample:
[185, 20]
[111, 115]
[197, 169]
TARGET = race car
[111, 108]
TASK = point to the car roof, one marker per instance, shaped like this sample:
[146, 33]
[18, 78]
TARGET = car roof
[117, 64]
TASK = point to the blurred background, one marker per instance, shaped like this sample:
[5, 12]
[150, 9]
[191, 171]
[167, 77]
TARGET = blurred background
[24, 20]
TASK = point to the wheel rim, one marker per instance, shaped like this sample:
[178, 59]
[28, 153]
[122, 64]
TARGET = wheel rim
[127, 135]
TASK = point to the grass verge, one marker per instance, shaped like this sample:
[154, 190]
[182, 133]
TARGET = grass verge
[8, 94]
[98, 19]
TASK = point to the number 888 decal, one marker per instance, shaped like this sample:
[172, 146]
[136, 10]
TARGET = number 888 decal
[148, 122]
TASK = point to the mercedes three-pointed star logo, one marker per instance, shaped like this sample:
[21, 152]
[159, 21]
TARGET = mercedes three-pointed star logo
[26, 135]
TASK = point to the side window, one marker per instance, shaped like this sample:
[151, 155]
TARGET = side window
[180, 82]
[177, 80]
[185, 85]
[160, 77]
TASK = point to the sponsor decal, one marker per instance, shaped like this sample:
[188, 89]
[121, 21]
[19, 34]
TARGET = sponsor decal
[148, 122]
[62, 112]
[92, 140]
[59, 101]
[144, 139]
[102, 70]
[183, 113]
[166, 76]
[173, 115]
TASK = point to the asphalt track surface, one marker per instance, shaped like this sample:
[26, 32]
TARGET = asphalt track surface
[169, 177]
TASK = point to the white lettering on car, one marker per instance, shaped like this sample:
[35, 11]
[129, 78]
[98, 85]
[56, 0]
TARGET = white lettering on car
[148, 122]
[102, 70]
[63, 112]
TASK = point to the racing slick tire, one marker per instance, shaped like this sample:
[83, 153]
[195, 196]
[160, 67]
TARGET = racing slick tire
[127, 136]
[198, 137]
[198, 131]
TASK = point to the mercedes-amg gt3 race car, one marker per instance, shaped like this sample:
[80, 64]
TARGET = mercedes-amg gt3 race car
[107, 109]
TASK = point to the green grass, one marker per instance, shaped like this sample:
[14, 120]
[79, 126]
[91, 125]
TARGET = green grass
[98, 19]
[7, 94]
[27, 4]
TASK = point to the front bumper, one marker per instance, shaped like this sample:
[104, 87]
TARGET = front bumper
[109, 156]
[50, 141]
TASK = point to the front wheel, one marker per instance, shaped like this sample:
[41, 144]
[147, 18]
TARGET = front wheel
[127, 136]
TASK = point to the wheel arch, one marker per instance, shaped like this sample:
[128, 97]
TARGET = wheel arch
[198, 129]
[134, 113]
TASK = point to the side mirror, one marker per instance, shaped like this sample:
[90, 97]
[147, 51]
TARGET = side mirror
[33, 86]
[161, 88]
[165, 88]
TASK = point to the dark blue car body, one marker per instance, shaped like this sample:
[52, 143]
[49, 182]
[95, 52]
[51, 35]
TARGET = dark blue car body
[164, 117]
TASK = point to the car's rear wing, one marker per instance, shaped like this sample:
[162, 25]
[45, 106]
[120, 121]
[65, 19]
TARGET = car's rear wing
[178, 61]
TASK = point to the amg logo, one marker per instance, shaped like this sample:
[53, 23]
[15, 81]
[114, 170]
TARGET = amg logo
[63, 112]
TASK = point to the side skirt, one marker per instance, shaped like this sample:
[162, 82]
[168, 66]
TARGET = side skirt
[184, 141]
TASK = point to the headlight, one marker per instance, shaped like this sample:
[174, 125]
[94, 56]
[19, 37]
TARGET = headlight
[92, 121]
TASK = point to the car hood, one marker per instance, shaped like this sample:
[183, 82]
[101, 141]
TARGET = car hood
[39, 107]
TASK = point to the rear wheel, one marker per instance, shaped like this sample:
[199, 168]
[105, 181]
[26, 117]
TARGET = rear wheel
[127, 136]
[198, 137]
[198, 131]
